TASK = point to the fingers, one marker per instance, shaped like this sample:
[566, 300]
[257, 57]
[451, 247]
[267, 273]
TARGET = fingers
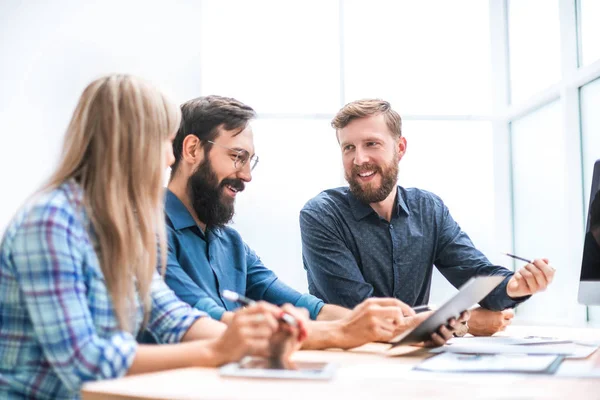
[538, 272]
[258, 315]
[441, 336]
[411, 322]
[390, 302]
[301, 316]
[389, 316]
[545, 268]
[508, 314]
[521, 283]
[265, 307]
[258, 347]
[464, 316]
[256, 332]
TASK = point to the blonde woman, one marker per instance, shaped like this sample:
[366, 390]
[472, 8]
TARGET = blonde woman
[78, 277]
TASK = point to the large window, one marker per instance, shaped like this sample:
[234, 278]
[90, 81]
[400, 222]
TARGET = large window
[534, 43]
[589, 15]
[427, 56]
[541, 223]
[278, 56]
[554, 145]
[454, 159]
[297, 70]
[298, 159]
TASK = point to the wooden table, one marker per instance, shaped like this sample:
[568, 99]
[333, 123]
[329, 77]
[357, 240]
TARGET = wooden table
[364, 373]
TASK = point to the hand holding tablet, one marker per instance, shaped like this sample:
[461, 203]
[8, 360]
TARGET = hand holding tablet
[472, 292]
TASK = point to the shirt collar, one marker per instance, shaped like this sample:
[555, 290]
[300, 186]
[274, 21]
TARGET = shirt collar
[360, 210]
[179, 216]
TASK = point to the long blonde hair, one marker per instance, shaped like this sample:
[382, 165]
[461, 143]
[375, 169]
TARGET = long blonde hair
[114, 149]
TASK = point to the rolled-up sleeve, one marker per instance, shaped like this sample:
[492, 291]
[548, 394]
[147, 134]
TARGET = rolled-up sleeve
[48, 265]
[263, 284]
[170, 317]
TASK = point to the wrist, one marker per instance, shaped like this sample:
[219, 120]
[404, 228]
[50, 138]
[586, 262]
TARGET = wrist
[324, 335]
[510, 293]
[214, 353]
[227, 317]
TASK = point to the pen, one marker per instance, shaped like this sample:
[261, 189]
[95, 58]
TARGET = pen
[239, 298]
[525, 260]
[519, 258]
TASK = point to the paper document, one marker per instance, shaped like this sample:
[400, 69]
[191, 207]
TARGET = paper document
[570, 350]
[505, 340]
[507, 363]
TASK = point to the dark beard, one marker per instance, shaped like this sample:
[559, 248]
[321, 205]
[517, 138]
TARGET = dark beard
[206, 194]
[368, 194]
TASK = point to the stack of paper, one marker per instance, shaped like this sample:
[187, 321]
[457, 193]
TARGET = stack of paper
[507, 345]
[507, 363]
[541, 355]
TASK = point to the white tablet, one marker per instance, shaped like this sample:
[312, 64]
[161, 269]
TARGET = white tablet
[469, 294]
[252, 367]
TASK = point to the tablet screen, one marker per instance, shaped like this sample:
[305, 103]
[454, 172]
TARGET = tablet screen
[253, 367]
[469, 294]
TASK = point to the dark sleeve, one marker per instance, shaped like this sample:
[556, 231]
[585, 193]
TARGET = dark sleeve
[263, 284]
[329, 262]
[458, 260]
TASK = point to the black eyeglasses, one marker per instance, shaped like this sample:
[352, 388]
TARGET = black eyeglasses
[242, 157]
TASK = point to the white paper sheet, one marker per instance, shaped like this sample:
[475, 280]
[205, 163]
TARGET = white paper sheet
[507, 363]
[570, 350]
[505, 340]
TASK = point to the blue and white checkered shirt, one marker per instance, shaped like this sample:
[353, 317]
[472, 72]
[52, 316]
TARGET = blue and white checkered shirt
[58, 328]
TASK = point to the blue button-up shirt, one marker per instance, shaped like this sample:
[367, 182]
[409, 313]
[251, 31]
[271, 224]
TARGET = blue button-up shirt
[58, 328]
[350, 253]
[201, 265]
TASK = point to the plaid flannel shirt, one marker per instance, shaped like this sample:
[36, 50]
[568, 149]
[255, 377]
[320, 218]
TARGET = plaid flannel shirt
[58, 328]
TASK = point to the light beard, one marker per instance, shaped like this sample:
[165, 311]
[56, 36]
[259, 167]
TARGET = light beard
[368, 194]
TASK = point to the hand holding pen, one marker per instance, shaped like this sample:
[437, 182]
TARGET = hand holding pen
[286, 316]
[534, 277]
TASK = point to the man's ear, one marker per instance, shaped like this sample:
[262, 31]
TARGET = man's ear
[192, 151]
[401, 147]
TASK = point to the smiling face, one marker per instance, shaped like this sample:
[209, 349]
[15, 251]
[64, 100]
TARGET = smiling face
[370, 154]
[217, 181]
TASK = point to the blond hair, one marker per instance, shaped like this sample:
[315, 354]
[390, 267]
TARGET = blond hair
[114, 149]
[367, 108]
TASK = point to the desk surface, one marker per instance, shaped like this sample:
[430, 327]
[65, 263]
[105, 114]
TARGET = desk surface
[363, 373]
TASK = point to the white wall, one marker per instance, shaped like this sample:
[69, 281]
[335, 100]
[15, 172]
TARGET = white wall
[51, 50]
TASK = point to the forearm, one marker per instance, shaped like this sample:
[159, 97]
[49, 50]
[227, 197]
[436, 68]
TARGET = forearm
[331, 312]
[154, 358]
[324, 335]
[204, 328]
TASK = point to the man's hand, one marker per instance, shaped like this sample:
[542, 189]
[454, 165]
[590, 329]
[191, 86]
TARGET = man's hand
[485, 322]
[443, 333]
[373, 320]
[532, 278]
